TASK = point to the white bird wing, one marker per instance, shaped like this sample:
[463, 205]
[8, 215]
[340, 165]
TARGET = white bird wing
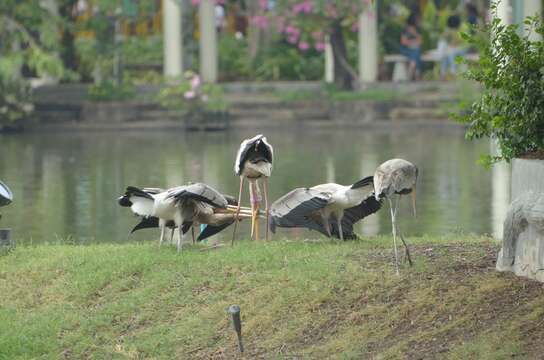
[6, 196]
[199, 192]
[297, 208]
[140, 202]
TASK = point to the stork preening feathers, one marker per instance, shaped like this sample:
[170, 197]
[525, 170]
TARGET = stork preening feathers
[396, 177]
[6, 196]
[331, 209]
[254, 161]
[179, 207]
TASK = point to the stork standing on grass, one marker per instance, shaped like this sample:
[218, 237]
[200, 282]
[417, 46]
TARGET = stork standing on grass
[181, 206]
[331, 209]
[153, 222]
[396, 177]
[254, 161]
[6, 196]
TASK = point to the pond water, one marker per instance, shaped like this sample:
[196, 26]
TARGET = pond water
[66, 184]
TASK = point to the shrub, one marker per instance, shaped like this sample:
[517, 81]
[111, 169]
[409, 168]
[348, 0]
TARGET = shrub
[15, 101]
[192, 96]
[110, 91]
[511, 106]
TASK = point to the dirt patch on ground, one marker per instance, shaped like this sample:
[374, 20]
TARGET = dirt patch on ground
[463, 298]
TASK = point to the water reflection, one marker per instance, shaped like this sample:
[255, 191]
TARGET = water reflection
[66, 184]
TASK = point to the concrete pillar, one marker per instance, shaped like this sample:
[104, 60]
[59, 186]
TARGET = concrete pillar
[368, 44]
[208, 41]
[532, 8]
[173, 43]
[504, 11]
[329, 62]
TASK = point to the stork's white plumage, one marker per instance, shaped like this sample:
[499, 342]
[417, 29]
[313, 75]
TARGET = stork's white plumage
[254, 161]
[179, 207]
[396, 177]
[6, 196]
[316, 208]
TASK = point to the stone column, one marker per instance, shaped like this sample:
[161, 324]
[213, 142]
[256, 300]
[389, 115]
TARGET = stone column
[504, 11]
[532, 8]
[329, 62]
[208, 41]
[368, 44]
[173, 43]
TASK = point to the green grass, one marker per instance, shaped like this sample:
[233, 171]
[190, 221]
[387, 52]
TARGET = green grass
[311, 300]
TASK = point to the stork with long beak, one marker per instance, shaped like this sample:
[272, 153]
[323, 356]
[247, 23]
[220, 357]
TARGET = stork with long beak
[396, 177]
[180, 207]
[253, 162]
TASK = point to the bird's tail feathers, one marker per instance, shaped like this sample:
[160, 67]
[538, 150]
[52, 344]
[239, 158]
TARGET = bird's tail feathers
[367, 181]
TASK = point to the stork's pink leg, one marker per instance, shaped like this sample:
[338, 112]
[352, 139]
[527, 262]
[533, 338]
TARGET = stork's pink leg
[266, 209]
[236, 218]
[254, 200]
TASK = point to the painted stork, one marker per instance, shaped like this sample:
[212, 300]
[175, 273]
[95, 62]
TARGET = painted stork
[254, 161]
[6, 196]
[180, 207]
[396, 177]
[207, 230]
[331, 209]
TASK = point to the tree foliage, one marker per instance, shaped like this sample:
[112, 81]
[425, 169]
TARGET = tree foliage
[28, 41]
[511, 70]
[307, 23]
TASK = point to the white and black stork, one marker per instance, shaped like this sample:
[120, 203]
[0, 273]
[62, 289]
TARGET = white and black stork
[254, 161]
[396, 177]
[331, 209]
[6, 196]
[179, 207]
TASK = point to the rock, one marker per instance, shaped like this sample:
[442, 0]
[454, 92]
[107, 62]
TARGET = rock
[523, 238]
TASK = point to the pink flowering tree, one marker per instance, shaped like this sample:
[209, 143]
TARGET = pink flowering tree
[307, 23]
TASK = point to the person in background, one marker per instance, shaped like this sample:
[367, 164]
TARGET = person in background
[450, 46]
[472, 14]
[410, 46]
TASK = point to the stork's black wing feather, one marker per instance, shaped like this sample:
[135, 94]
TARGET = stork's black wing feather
[199, 192]
[145, 223]
[148, 222]
[211, 230]
[352, 215]
[186, 226]
[295, 208]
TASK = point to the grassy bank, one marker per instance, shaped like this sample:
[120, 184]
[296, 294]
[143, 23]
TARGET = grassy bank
[299, 300]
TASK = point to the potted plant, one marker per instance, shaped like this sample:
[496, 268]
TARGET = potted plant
[510, 110]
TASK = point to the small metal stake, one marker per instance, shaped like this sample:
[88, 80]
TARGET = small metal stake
[234, 310]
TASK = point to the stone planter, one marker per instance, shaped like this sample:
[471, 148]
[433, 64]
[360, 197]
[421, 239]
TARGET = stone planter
[206, 120]
[5, 238]
[523, 239]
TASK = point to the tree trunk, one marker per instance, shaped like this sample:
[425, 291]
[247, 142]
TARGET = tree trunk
[68, 50]
[254, 33]
[343, 79]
